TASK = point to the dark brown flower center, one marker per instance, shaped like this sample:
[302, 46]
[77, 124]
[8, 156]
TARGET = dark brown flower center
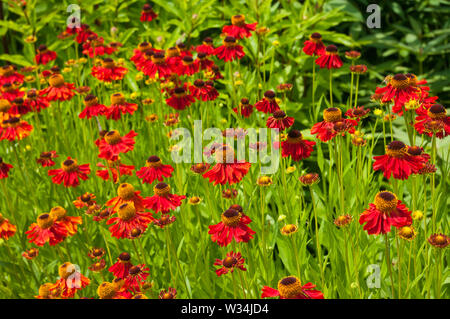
[124, 257]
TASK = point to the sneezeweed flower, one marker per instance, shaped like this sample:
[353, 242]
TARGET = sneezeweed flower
[398, 162]
[227, 169]
[200, 168]
[186, 67]
[8, 74]
[114, 170]
[163, 201]
[314, 45]
[290, 169]
[289, 229]
[119, 106]
[147, 13]
[230, 263]
[14, 129]
[92, 107]
[357, 113]
[427, 168]
[194, 200]
[203, 91]
[7, 229]
[343, 220]
[10, 92]
[264, 181]
[70, 173]
[154, 169]
[439, 240]
[279, 120]
[326, 129]
[45, 292]
[71, 223]
[386, 211]
[358, 69]
[407, 232]
[58, 90]
[19, 107]
[180, 99]
[46, 229]
[155, 63]
[164, 220]
[170, 293]
[233, 226]
[330, 59]
[46, 159]
[229, 50]
[128, 219]
[44, 55]
[113, 144]
[126, 194]
[71, 280]
[206, 47]
[136, 276]
[107, 290]
[433, 121]
[122, 266]
[268, 104]
[238, 28]
[96, 253]
[352, 55]
[291, 288]
[203, 63]
[359, 141]
[35, 102]
[229, 193]
[139, 296]
[389, 117]
[417, 215]
[245, 108]
[4, 169]
[296, 147]
[30, 254]
[309, 179]
[98, 266]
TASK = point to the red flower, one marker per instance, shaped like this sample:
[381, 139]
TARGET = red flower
[83, 33]
[138, 54]
[330, 59]
[164, 220]
[122, 267]
[10, 92]
[92, 107]
[31, 253]
[230, 50]
[7, 229]
[433, 121]
[154, 169]
[147, 13]
[279, 120]
[113, 144]
[85, 200]
[71, 223]
[19, 107]
[44, 55]
[246, 109]
[8, 74]
[170, 293]
[186, 67]
[268, 103]
[4, 169]
[14, 129]
[109, 71]
[357, 113]
[94, 47]
[163, 201]
[203, 91]
[34, 102]
[233, 226]
[46, 230]
[71, 280]
[179, 99]
[70, 173]
[118, 107]
[126, 194]
[397, 162]
[296, 147]
[58, 89]
[386, 211]
[116, 168]
[203, 63]
[314, 45]
[46, 159]
[127, 220]
[239, 29]
[291, 288]
[227, 169]
[206, 47]
[155, 62]
[137, 275]
[332, 125]
[232, 261]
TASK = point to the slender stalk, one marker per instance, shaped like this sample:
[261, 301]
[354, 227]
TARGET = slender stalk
[389, 263]
[331, 87]
[319, 253]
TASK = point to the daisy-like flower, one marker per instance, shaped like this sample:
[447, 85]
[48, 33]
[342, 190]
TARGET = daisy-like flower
[203, 91]
[8, 74]
[194, 200]
[18, 107]
[386, 211]
[229, 50]
[407, 233]
[96, 253]
[147, 13]
[439, 240]
[4, 169]
[296, 147]
[128, 219]
[238, 28]
[35, 102]
[164, 220]
[357, 113]
[289, 229]
[122, 266]
[227, 168]
[118, 107]
[398, 162]
[92, 107]
[70, 173]
[58, 89]
[46, 229]
[14, 129]
[108, 290]
[352, 55]
[113, 144]
[98, 266]
[186, 67]
[314, 45]
[126, 194]
[31, 253]
[229, 193]
[7, 229]
[138, 53]
[279, 120]
[155, 62]
[115, 168]
[309, 179]
[45, 292]
[10, 92]
[163, 201]
[95, 47]
[170, 293]
[44, 55]
[199, 168]
[433, 121]
[70, 281]
[180, 99]
[46, 159]
[109, 71]
[203, 63]
[327, 129]
[264, 181]
[206, 47]
[230, 263]
[71, 223]
[154, 169]
[232, 226]
[343, 220]
[137, 275]
[245, 108]
[291, 288]
[268, 104]
[330, 59]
